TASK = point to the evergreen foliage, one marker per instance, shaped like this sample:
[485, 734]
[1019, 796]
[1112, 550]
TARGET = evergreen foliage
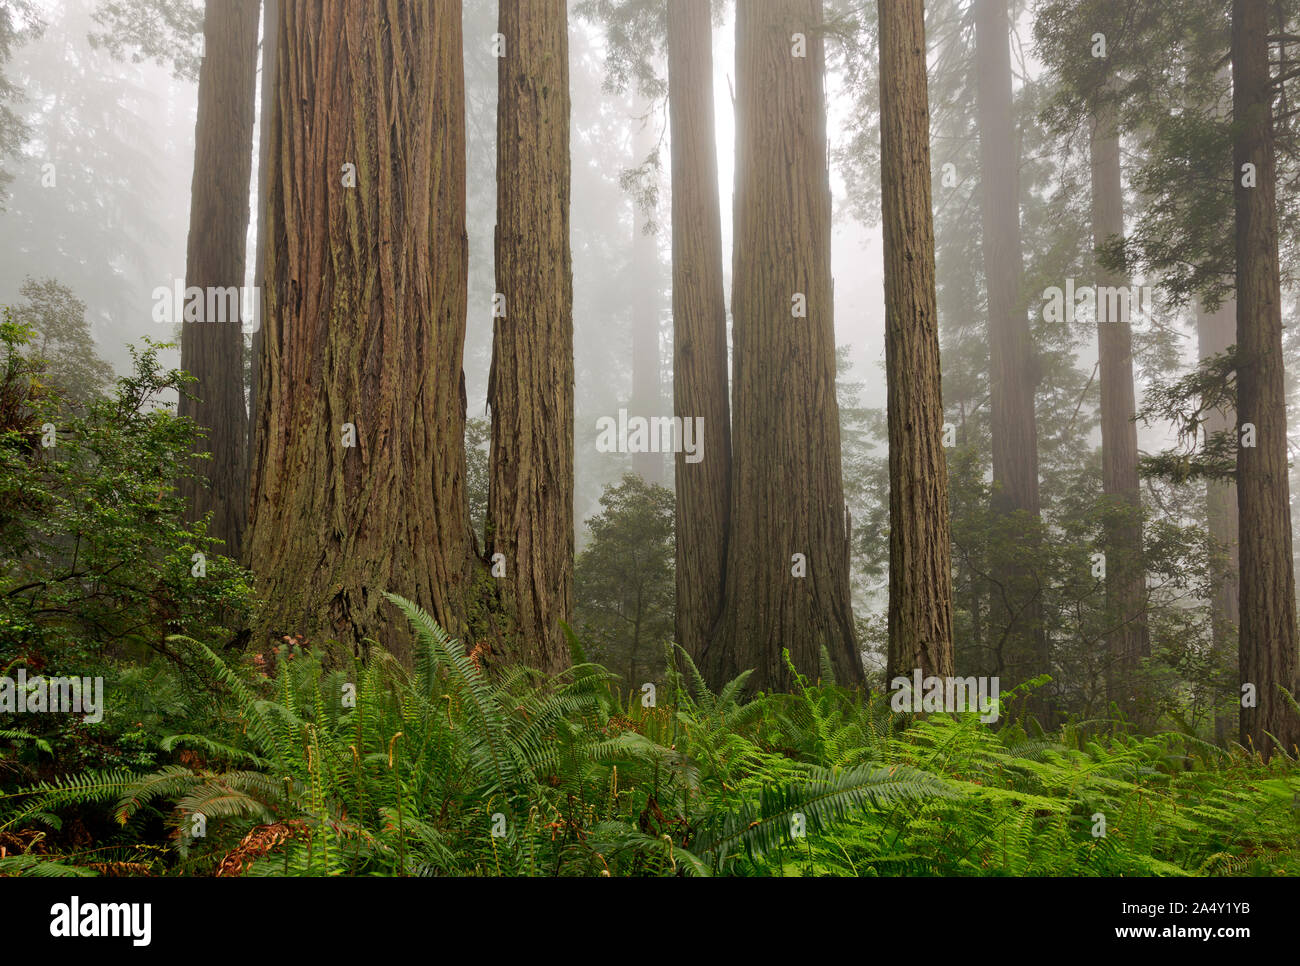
[376, 769]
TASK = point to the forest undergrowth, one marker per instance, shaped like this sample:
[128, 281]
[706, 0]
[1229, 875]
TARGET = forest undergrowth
[311, 768]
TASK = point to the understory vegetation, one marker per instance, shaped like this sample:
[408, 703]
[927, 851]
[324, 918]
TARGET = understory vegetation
[372, 769]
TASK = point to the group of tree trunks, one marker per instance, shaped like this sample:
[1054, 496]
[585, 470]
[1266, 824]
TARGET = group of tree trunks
[357, 482]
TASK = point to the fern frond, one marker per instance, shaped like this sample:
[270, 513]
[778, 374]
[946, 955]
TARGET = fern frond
[827, 798]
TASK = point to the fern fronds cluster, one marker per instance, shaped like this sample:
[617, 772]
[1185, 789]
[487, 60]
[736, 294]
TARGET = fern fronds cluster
[376, 769]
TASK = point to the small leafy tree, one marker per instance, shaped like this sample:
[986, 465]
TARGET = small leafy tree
[624, 578]
[61, 338]
[97, 564]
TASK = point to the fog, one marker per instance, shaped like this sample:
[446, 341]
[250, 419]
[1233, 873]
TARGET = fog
[99, 200]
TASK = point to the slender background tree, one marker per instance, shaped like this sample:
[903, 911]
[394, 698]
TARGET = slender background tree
[699, 326]
[920, 559]
[270, 32]
[530, 388]
[212, 349]
[1013, 361]
[1130, 641]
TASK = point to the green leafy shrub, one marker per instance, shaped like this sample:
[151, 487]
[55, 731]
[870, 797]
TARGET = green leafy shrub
[98, 565]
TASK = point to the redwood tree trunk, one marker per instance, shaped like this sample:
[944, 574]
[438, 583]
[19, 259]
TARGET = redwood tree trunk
[1130, 641]
[1216, 333]
[920, 552]
[787, 497]
[1268, 638]
[270, 32]
[530, 388]
[365, 325]
[1016, 631]
[699, 326]
[212, 350]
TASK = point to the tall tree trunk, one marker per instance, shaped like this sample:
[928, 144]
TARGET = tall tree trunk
[920, 551]
[1268, 638]
[703, 488]
[270, 32]
[966, 567]
[530, 388]
[787, 579]
[1216, 333]
[1129, 642]
[1017, 618]
[212, 350]
[365, 325]
[644, 290]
